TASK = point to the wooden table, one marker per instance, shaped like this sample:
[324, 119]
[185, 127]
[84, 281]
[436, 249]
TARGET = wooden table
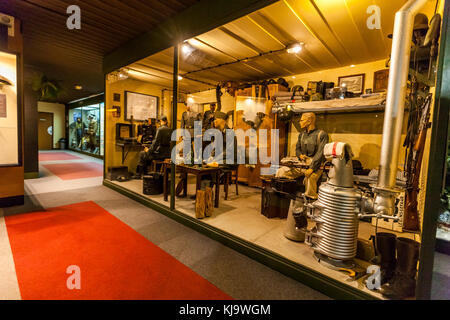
[198, 172]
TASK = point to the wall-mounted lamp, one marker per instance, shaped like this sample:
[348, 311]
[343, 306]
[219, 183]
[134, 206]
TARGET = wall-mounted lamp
[295, 47]
[78, 87]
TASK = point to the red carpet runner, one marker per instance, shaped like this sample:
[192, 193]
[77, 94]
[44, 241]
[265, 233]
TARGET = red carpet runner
[115, 261]
[78, 170]
[55, 156]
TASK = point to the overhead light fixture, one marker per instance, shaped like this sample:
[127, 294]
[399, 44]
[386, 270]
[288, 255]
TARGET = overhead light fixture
[295, 47]
[180, 78]
[352, 66]
[187, 49]
[194, 42]
[190, 100]
[123, 74]
[78, 87]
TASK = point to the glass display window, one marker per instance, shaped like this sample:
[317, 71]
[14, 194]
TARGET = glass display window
[296, 104]
[86, 133]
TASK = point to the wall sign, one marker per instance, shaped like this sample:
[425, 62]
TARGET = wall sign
[140, 106]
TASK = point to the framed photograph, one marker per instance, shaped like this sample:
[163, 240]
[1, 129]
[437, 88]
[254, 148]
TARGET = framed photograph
[354, 83]
[10, 112]
[380, 80]
[140, 106]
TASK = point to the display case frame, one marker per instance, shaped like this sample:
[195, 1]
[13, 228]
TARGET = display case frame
[299, 272]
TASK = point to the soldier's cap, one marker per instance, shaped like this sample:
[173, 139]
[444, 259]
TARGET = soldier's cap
[163, 118]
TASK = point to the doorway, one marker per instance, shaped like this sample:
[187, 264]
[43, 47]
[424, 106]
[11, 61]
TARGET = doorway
[45, 131]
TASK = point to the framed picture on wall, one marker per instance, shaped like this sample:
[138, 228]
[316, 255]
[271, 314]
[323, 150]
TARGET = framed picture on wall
[380, 80]
[140, 106]
[353, 83]
[10, 115]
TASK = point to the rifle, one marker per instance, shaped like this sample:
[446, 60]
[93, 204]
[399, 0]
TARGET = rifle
[411, 215]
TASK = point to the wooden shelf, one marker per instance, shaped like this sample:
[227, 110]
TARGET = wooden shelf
[337, 105]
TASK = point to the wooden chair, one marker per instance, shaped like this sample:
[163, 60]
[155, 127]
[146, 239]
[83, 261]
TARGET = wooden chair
[227, 180]
[156, 163]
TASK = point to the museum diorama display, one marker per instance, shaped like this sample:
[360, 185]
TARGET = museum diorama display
[86, 125]
[298, 130]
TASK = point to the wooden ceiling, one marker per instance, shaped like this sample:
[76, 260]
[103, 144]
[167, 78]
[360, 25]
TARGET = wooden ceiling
[334, 33]
[75, 56]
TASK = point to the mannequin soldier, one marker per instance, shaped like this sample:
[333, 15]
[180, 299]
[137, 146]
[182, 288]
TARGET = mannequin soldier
[79, 129]
[146, 132]
[187, 122]
[208, 117]
[159, 149]
[92, 132]
[309, 149]
[188, 118]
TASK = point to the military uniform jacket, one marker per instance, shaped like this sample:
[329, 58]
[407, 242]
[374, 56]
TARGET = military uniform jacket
[161, 143]
[93, 127]
[188, 118]
[208, 118]
[311, 144]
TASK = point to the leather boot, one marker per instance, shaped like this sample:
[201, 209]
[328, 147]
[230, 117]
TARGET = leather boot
[403, 284]
[138, 174]
[386, 251]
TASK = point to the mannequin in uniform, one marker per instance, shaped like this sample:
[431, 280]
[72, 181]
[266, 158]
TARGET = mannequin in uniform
[208, 117]
[79, 129]
[92, 132]
[159, 149]
[187, 122]
[188, 118]
[309, 149]
[146, 132]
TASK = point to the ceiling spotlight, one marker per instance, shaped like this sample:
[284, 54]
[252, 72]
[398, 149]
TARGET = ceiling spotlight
[123, 74]
[78, 87]
[187, 49]
[352, 66]
[295, 47]
[190, 100]
[180, 78]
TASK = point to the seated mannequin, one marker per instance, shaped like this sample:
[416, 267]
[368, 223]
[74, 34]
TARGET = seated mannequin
[146, 132]
[309, 149]
[159, 149]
